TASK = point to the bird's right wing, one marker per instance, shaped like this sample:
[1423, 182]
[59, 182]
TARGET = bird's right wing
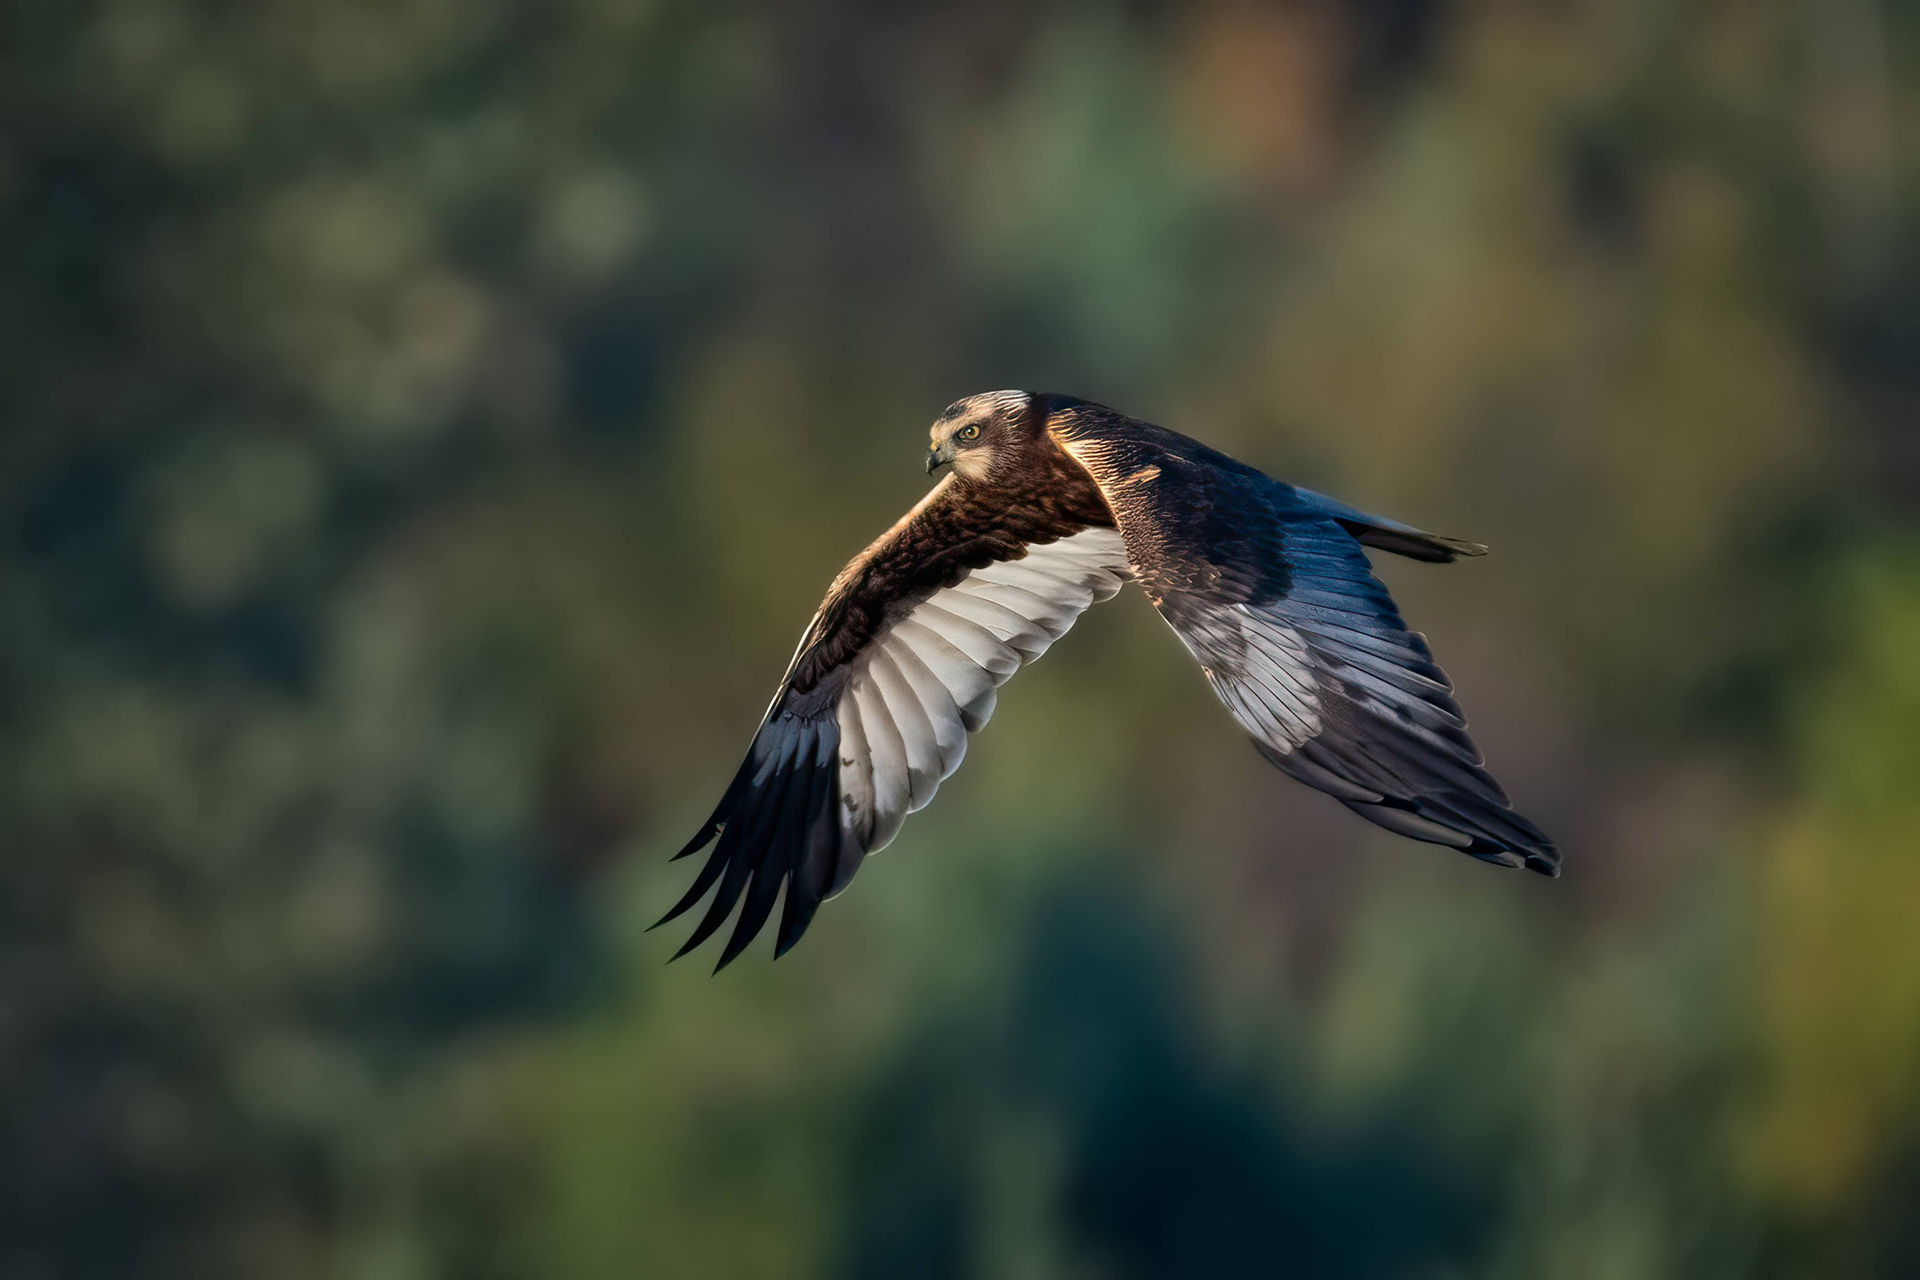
[897, 668]
[1270, 589]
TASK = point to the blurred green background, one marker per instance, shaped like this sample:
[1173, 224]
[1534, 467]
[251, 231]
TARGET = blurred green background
[425, 426]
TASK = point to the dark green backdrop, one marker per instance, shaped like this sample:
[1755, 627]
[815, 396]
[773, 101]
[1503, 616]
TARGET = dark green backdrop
[425, 426]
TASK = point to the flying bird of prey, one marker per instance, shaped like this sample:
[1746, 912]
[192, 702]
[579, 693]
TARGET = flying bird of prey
[1050, 505]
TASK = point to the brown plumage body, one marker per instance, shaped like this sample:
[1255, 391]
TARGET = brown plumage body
[1052, 504]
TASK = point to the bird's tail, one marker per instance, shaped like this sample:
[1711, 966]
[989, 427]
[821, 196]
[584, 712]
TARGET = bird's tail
[1391, 535]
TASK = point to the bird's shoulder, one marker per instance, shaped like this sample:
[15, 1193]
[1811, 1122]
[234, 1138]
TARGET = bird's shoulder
[1195, 519]
[958, 527]
[1116, 447]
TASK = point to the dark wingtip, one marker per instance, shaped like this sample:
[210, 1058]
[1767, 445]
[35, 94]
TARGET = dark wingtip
[1545, 860]
[672, 915]
[746, 929]
[699, 842]
[753, 914]
[792, 926]
[795, 915]
[770, 834]
[696, 891]
[679, 908]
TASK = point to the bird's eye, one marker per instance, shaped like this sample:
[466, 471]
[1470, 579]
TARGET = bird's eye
[968, 432]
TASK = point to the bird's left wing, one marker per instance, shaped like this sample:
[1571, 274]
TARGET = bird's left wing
[1270, 589]
[900, 664]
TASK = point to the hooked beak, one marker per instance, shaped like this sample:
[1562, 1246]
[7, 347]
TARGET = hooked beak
[937, 458]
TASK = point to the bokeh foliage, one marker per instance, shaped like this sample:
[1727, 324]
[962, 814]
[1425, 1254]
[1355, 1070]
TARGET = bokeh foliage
[425, 425]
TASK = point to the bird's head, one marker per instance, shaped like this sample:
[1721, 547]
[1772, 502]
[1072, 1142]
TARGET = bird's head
[979, 435]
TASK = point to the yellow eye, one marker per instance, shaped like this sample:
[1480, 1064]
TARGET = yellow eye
[967, 432]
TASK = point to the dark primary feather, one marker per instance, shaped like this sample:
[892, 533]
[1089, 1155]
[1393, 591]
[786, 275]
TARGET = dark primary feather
[1269, 587]
[777, 824]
